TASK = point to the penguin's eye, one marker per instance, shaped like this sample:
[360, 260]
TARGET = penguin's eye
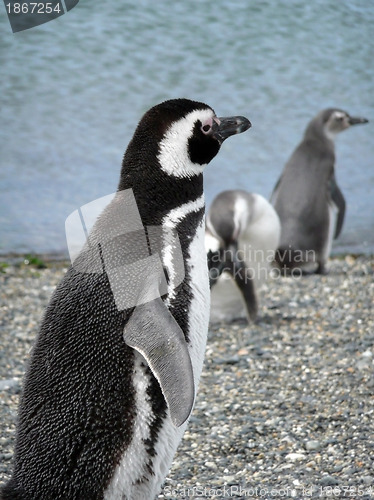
[206, 126]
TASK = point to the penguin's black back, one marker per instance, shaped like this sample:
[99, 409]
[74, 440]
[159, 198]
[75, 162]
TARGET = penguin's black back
[78, 390]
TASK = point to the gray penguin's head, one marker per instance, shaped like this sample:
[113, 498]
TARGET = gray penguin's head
[329, 122]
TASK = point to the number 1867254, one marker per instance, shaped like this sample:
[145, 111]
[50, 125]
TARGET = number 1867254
[33, 8]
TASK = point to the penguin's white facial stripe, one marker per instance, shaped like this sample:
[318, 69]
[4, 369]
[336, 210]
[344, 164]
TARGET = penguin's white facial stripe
[174, 157]
[337, 122]
[340, 120]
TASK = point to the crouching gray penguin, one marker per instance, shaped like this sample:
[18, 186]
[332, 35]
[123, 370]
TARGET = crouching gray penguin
[241, 236]
[115, 368]
[307, 198]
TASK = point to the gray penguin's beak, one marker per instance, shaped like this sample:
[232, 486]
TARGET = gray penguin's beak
[224, 127]
[355, 121]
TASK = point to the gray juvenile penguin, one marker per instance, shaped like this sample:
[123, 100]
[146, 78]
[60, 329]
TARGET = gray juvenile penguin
[242, 232]
[110, 387]
[307, 195]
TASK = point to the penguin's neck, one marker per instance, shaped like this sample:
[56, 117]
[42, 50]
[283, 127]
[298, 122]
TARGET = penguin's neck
[330, 136]
[159, 194]
[320, 135]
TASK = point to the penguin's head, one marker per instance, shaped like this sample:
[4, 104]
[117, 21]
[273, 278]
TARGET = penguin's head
[337, 120]
[184, 135]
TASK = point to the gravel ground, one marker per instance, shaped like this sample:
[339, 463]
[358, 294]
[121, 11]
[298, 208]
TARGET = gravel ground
[285, 407]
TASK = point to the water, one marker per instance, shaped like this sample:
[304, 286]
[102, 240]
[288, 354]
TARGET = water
[73, 90]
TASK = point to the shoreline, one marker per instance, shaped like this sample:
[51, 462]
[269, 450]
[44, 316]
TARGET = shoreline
[286, 403]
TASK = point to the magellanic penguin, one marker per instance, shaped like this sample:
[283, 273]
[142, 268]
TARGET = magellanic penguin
[242, 234]
[109, 388]
[307, 197]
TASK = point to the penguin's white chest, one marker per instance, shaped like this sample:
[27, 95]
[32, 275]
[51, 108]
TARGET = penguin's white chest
[198, 321]
[196, 271]
[200, 303]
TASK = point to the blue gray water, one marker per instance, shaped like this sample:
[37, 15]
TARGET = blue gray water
[72, 91]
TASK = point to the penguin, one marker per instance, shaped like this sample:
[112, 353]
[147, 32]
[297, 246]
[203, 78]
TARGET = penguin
[241, 236]
[307, 198]
[111, 382]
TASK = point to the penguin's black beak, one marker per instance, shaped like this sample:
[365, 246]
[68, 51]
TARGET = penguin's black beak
[355, 121]
[224, 127]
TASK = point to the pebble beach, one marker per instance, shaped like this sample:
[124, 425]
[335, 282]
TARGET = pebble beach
[285, 407]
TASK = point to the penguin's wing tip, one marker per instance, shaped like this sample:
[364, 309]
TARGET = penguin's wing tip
[339, 201]
[153, 331]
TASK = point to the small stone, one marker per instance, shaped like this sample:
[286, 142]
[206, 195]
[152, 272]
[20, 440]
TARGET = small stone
[348, 471]
[367, 479]
[363, 364]
[295, 457]
[329, 481]
[243, 351]
[312, 445]
[286, 466]
[229, 479]
[8, 384]
[367, 354]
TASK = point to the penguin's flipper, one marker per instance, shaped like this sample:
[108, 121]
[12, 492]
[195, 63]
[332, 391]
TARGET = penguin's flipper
[338, 199]
[153, 331]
